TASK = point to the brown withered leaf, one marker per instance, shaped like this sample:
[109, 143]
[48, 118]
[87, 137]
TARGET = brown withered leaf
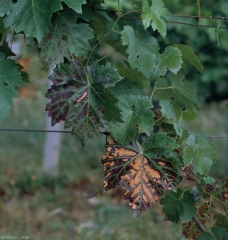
[145, 174]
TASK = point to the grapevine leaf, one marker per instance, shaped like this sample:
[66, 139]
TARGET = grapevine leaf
[97, 23]
[152, 16]
[6, 6]
[145, 174]
[7, 93]
[133, 76]
[78, 37]
[201, 155]
[191, 229]
[190, 56]
[179, 206]
[127, 88]
[79, 98]
[53, 46]
[219, 234]
[75, 4]
[4, 48]
[64, 38]
[181, 95]
[32, 16]
[171, 58]
[206, 236]
[137, 117]
[9, 79]
[142, 49]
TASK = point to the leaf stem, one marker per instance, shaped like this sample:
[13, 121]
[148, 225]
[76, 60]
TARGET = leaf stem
[179, 123]
[201, 226]
[90, 55]
[106, 56]
[152, 94]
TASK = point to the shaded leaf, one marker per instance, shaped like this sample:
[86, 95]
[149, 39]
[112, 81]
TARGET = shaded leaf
[219, 234]
[32, 16]
[180, 94]
[6, 6]
[137, 117]
[4, 48]
[152, 15]
[10, 78]
[142, 49]
[201, 155]
[133, 76]
[190, 56]
[75, 4]
[179, 206]
[97, 23]
[145, 174]
[171, 59]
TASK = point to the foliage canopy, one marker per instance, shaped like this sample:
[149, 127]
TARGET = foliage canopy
[148, 152]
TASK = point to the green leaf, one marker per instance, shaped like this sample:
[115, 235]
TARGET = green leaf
[181, 95]
[171, 59]
[32, 16]
[159, 144]
[64, 38]
[10, 78]
[6, 49]
[6, 6]
[219, 234]
[190, 56]
[201, 155]
[206, 236]
[79, 96]
[97, 23]
[153, 16]
[137, 116]
[179, 206]
[142, 50]
[127, 88]
[133, 76]
[75, 4]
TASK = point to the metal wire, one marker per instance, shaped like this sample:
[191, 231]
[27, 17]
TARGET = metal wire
[55, 131]
[171, 15]
[174, 15]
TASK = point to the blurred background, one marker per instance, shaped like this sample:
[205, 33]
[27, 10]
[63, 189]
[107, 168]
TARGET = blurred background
[53, 206]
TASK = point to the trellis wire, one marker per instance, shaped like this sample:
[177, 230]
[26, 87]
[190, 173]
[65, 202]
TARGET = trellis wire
[175, 15]
[54, 131]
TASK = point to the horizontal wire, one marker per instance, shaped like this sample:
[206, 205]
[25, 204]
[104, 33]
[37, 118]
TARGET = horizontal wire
[174, 22]
[182, 23]
[32, 130]
[56, 131]
[171, 15]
